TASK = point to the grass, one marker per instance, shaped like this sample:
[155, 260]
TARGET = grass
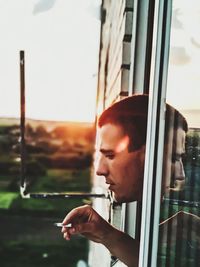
[58, 180]
[46, 207]
[19, 244]
[7, 198]
[17, 254]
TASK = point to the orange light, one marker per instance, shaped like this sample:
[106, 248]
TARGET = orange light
[123, 144]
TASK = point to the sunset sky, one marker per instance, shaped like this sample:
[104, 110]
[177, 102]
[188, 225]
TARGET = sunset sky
[61, 43]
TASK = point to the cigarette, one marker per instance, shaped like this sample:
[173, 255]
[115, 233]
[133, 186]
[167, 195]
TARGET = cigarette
[59, 224]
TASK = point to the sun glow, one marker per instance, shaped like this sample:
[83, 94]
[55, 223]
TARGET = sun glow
[123, 144]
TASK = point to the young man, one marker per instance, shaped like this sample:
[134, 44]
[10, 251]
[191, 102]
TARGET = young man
[120, 160]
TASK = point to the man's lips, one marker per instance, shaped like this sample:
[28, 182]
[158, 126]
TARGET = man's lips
[111, 185]
[180, 178]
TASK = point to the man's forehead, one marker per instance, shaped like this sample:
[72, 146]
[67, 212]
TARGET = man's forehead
[180, 141]
[110, 132]
[111, 137]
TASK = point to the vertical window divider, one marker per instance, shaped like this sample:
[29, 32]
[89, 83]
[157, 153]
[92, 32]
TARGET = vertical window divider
[155, 137]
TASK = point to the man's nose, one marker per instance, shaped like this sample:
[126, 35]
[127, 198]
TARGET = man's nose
[179, 170]
[179, 176]
[101, 166]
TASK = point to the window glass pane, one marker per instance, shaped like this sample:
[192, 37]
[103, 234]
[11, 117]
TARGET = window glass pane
[179, 238]
[59, 86]
[61, 42]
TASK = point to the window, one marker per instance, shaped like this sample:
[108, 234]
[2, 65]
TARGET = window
[170, 219]
[179, 240]
[60, 85]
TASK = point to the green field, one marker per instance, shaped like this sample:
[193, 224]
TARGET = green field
[57, 161]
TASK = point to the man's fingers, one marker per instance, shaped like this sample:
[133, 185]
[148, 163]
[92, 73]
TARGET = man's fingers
[77, 229]
[82, 228]
[77, 214]
[66, 236]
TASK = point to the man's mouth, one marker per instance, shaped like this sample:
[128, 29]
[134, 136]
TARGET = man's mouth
[110, 185]
[109, 182]
[180, 178]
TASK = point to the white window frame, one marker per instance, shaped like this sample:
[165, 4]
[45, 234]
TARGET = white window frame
[155, 136]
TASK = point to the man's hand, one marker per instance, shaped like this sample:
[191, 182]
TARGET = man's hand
[86, 221]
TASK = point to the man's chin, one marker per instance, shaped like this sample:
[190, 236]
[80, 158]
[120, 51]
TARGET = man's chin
[117, 199]
[178, 186]
[120, 200]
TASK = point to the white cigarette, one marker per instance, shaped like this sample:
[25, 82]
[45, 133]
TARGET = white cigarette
[59, 224]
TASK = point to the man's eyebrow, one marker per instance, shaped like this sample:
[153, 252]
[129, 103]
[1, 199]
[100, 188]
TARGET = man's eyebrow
[106, 151]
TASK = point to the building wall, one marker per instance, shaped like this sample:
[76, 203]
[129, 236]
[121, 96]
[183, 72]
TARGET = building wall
[113, 85]
[115, 53]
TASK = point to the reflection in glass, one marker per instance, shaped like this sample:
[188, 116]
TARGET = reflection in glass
[179, 238]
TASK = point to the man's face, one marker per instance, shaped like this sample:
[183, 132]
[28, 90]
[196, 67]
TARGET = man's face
[174, 175]
[123, 170]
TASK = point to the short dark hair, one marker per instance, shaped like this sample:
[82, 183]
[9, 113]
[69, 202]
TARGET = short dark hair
[131, 114]
[174, 119]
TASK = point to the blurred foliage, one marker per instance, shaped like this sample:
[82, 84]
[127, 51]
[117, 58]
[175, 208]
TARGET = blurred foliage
[186, 251]
[6, 199]
[18, 254]
[58, 159]
[192, 155]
